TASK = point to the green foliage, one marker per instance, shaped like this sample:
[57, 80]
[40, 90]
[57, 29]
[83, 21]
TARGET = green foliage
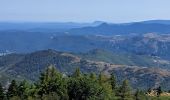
[52, 81]
[12, 90]
[93, 76]
[52, 85]
[52, 96]
[23, 90]
[2, 95]
[140, 95]
[85, 88]
[159, 98]
[113, 81]
[124, 91]
[15, 98]
[102, 78]
[77, 73]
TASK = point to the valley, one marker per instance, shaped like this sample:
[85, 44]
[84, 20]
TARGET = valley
[141, 57]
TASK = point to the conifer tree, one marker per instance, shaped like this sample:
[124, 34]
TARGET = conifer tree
[140, 95]
[102, 78]
[77, 73]
[52, 81]
[137, 95]
[2, 95]
[159, 91]
[85, 88]
[23, 90]
[149, 90]
[12, 90]
[113, 81]
[124, 91]
[93, 76]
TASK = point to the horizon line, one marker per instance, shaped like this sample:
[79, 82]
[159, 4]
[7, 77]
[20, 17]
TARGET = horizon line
[26, 21]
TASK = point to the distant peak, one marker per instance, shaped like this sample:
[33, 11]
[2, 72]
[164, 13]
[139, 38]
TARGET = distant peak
[104, 24]
[98, 22]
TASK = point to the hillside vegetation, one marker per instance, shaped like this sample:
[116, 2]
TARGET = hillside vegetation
[53, 85]
[29, 66]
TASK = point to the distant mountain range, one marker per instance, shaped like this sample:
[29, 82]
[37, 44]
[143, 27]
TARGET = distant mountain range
[123, 29]
[29, 66]
[138, 51]
[158, 21]
[43, 26]
[97, 27]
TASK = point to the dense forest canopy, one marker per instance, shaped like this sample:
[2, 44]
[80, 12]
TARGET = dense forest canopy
[53, 85]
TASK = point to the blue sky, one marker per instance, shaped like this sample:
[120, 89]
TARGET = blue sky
[116, 11]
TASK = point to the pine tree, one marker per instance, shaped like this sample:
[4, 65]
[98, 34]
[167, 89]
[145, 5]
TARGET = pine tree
[32, 91]
[85, 88]
[104, 82]
[137, 95]
[159, 91]
[102, 78]
[23, 90]
[140, 95]
[113, 81]
[149, 90]
[12, 90]
[2, 95]
[125, 93]
[52, 81]
[93, 76]
[77, 73]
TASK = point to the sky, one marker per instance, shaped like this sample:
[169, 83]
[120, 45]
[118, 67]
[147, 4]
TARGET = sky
[117, 11]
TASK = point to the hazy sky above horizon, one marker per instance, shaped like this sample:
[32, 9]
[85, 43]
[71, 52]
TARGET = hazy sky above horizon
[116, 11]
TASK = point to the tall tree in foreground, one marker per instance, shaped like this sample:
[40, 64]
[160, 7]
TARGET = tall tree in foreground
[77, 73]
[104, 82]
[137, 95]
[159, 91]
[23, 90]
[86, 87]
[113, 81]
[12, 90]
[140, 95]
[2, 95]
[102, 78]
[93, 76]
[124, 91]
[52, 82]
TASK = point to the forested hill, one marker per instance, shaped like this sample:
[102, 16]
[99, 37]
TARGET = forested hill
[25, 42]
[29, 66]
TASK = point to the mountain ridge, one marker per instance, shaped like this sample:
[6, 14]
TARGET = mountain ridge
[29, 66]
[123, 29]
